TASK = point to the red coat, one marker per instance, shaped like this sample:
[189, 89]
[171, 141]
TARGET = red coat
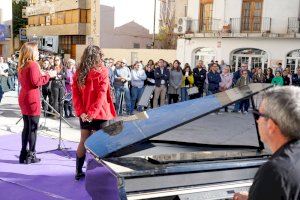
[30, 78]
[94, 98]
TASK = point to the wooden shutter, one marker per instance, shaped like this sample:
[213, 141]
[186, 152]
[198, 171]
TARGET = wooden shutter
[75, 16]
[83, 14]
[61, 18]
[68, 17]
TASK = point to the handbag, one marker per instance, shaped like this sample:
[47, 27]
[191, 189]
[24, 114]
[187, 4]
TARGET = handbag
[192, 90]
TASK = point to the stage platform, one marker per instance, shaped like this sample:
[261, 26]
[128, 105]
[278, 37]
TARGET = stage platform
[52, 178]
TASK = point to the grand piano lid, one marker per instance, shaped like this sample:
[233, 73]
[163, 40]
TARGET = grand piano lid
[102, 144]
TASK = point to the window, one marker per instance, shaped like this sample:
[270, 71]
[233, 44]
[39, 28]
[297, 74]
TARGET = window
[253, 57]
[293, 60]
[66, 42]
[136, 45]
[206, 10]
[252, 15]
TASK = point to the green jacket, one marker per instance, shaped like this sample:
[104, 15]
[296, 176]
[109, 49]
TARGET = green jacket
[278, 80]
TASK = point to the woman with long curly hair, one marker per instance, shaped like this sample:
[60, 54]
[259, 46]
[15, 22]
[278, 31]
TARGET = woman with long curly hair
[30, 79]
[92, 99]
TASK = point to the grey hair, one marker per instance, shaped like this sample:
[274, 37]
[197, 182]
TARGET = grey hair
[282, 104]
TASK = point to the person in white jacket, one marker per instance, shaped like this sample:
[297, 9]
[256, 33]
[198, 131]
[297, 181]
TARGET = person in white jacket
[138, 76]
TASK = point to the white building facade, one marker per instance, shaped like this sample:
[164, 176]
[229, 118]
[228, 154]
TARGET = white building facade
[261, 33]
[6, 41]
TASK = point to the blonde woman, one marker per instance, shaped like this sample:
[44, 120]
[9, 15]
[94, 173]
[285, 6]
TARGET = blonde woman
[30, 79]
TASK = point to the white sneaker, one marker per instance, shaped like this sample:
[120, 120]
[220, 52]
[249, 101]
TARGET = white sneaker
[246, 112]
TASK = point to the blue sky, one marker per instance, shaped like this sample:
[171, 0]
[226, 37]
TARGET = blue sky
[141, 11]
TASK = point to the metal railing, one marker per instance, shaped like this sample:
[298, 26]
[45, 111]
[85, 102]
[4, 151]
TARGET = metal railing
[293, 25]
[203, 26]
[251, 25]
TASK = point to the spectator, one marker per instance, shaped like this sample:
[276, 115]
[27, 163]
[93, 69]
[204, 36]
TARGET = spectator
[277, 80]
[199, 76]
[161, 75]
[259, 77]
[210, 64]
[3, 83]
[175, 82]
[138, 76]
[286, 79]
[111, 68]
[269, 75]
[243, 81]
[214, 79]
[70, 71]
[187, 82]
[121, 85]
[12, 72]
[149, 69]
[296, 78]
[288, 70]
[46, 89]
[278, 121]
[151, 64]
[58, 85]
[237, 74]
[226, 81]
[279, 68]
[222, 65]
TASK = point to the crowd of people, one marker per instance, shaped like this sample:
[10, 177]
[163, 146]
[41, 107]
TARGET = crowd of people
[172, 82]
[8, 74]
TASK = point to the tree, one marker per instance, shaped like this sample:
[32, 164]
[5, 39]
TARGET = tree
[18, 21]
[166, 35]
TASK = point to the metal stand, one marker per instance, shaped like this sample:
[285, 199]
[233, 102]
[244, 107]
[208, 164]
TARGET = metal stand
[59, 147]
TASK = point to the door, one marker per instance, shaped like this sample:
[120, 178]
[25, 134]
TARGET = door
[206, 10]
[251, 15]
[1, 50]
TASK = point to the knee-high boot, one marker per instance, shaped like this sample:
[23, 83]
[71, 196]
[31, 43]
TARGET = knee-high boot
[79, 164]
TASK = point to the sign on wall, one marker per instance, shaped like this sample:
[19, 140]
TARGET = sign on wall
[23, 35]
[2, 32]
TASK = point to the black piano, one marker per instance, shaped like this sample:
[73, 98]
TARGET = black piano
[166, 157]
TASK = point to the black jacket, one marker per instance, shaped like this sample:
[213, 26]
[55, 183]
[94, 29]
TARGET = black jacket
[149, 75]
[161, 76]
[279, 178]
[199, 77]
[296, 80]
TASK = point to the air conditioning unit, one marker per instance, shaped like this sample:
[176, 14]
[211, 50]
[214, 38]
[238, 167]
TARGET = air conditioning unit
[182, 25]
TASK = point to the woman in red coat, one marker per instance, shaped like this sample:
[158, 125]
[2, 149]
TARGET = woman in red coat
[31, 79]
[92, 100]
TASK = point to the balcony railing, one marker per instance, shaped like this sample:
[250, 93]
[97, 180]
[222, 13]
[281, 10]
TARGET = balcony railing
[253, 25]
[293, 25]
[203, 26]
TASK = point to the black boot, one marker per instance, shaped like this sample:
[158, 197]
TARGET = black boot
[32, 158]
[23, 157]
[79, 164]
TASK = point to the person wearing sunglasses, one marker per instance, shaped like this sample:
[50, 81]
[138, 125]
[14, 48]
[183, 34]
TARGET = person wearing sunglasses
[278, 121]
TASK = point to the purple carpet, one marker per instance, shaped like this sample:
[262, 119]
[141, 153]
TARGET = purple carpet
[52, 178]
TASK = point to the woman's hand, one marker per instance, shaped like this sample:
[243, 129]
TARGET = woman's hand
[83, 117]
[52, 73]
